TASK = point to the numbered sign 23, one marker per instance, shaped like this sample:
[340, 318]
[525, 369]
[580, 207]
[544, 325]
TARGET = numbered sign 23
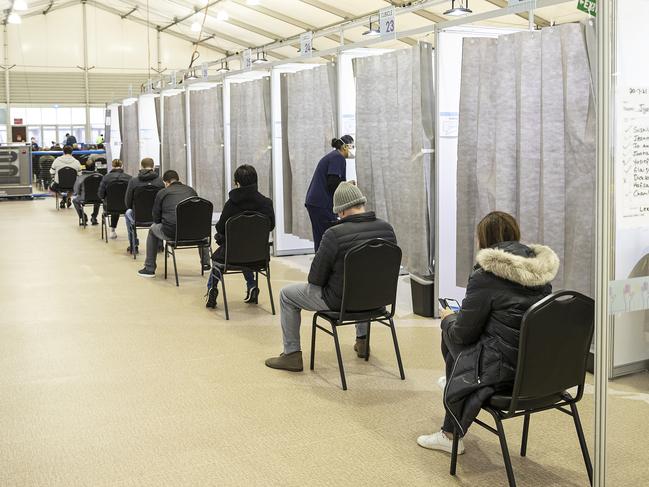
[387, 21]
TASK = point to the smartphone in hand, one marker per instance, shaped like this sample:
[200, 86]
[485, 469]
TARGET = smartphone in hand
[449, 303]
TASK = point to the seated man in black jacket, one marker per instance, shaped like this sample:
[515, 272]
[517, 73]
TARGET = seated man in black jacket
[80, 195]
[244, 197]
[146, 177]
[116, 174]
[164, 217]
[324, 290]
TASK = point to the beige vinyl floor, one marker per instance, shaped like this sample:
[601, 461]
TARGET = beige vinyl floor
[108, 379]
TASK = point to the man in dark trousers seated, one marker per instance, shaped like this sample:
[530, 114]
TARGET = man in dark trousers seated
[324, 289]
[146, 177]
[244, 197]
[164, 217]
[116, 174]
[80, 195]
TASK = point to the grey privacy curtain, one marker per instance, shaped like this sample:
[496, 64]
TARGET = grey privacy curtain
[174, 151]
[206, 129]
[308, 123]
[130, 139]
[394, 132]
[250, 129]
[527, 145]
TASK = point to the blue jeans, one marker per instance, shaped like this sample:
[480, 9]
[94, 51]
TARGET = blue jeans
[216, 276]
[130, 226]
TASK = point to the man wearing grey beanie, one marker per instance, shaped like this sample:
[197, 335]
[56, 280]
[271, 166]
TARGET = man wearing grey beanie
[324, 289]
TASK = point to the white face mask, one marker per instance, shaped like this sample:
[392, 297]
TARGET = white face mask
[351, 150]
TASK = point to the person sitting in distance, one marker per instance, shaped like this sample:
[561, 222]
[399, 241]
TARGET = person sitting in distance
[324, 289]
[146, 177]
[244, 197]
[80, 195]
[164, 217]
[116, 174]
[66, 160]
[96, 157]
[508, 278]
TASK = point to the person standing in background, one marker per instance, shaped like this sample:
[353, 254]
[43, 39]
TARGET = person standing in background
[34, 144]
[329, 173]
[70, 140]
[100, 139]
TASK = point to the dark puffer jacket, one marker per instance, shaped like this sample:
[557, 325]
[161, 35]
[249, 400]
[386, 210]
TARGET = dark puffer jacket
[246, 198]
[146, 177]
[508, 279]
[327, 268]
[110, 178]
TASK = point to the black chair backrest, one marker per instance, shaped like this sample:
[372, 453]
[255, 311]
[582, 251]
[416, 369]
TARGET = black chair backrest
[44, 166]
[143, 198]
[100, 161]
[115, 196]
[555, 339]
[193, 220]
[91, 188]
[67, 177]
[246, 238]
[371, 276]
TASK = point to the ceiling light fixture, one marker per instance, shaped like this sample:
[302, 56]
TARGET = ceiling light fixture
[224, 67]
[459, 11]
[20, 5]
[191, 75]
[14, 18]
[373, 28]
[260, 59]
[222, 16]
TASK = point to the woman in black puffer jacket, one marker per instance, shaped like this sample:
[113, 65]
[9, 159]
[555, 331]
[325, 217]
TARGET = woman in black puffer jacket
[480, 342]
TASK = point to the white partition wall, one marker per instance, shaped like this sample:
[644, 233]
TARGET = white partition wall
[115, 146]
[130, 137]
[148, 128]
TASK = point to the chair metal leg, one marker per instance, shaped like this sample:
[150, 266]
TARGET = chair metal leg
[456, 444]
[200, 249]
[313, 332]
[582, 442]
[367, 347]
[134, 239]
[504, 448]
[526, 430]
[166, 256]
[225, 296]
[173, 254]
[340, 357]
[105, 223]
[396, 349]
[56, 201]
[270, 290]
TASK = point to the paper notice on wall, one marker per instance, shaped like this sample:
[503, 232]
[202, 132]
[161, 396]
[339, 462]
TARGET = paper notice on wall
[626, 295]
[449, 124]
[632, 157]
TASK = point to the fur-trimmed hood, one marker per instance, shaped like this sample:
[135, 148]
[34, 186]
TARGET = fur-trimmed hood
[529, 266]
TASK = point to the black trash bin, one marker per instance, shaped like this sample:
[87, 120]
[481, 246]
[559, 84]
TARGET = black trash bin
[423, 295]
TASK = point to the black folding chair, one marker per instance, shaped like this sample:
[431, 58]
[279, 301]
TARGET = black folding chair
[555, 338]
[101, 161]
[247, 250]
[90, 189]
[114, 204]
[143, 199]
[67, 177]
[371, 274]
[193, 229]
[44, 176]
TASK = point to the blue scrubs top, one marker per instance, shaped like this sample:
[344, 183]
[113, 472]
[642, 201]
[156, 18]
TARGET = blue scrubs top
[332, 164]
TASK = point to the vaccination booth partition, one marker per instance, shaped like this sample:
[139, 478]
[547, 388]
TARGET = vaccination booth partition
[394, 141]
[527, 146]
[174, 149]
[206, 140]
[309, 115]
[251, 130]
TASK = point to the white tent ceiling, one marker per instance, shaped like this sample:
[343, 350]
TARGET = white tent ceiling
[261, 22]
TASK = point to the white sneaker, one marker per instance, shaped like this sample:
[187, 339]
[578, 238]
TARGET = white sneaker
[439, 441]
[441, 382]
[113, 234]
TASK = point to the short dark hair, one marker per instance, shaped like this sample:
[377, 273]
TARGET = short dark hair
[344, 140]
[90, 165]
[497, 227]
[67, 135]
[245, 175]
[100, 146]
[147, 163]
[67, 149]
[170, 176]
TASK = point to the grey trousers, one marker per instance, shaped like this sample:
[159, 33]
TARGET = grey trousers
[154, 240]
[292, 300]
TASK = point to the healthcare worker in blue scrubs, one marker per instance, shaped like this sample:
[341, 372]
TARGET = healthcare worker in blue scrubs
[330, 172]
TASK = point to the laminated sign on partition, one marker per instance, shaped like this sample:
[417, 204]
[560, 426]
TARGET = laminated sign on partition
[387, 19]
[632, 167]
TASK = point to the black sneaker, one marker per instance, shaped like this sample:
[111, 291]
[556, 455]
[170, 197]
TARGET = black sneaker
[207, 267]
[62, 204]
[128, 249]
[145, 273]
[69, 202]
[212, 294]
[252, 296]
[93, 221]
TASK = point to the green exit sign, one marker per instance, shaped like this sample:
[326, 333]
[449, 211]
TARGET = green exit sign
[588, 6]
